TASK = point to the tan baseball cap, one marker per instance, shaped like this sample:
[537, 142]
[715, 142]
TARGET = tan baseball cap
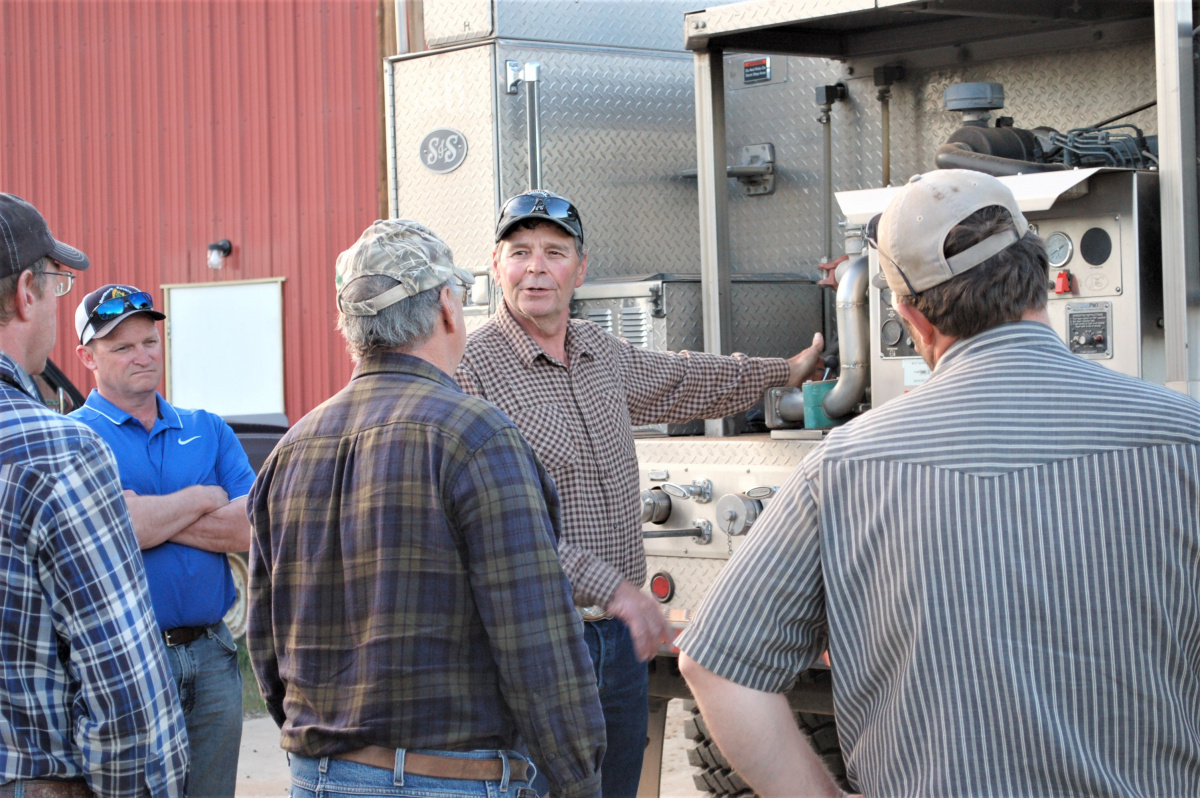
[910, 234]
[408, 252]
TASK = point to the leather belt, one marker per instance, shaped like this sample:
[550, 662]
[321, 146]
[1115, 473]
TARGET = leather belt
[594, 613]
[181, 636]
[47, 788]
[437, 767]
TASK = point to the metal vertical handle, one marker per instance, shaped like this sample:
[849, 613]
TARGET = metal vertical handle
[533, 120]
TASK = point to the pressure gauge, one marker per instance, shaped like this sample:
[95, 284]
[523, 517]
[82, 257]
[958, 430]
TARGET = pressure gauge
[1059, 249]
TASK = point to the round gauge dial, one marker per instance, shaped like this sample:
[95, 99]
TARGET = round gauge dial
[1059, 249]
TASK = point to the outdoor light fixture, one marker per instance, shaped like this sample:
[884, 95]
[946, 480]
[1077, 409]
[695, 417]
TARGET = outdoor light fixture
[218, 252]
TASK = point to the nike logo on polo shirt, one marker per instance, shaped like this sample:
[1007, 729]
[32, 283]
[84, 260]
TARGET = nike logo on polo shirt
[182, 442]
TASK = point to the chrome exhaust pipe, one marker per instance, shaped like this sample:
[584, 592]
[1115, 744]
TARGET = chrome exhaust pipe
[854, 336]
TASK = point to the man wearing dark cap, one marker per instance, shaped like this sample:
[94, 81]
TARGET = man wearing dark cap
[410, 625]
[576, 391]
[1002, 563]
[185, 478]
[86, 701]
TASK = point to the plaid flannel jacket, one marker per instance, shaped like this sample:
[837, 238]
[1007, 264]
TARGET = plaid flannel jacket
[405, 590]
[580, 422]
[85, 689]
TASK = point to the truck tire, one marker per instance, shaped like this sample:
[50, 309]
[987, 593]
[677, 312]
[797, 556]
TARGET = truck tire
[714, 775]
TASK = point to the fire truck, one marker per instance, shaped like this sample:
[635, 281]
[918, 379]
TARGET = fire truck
[724, 160]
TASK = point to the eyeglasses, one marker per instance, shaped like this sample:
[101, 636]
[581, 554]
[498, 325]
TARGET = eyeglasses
[62, 282]
[110, 309]
[539, 204]
[463, 290]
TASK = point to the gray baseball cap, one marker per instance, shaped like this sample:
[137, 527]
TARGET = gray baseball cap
[408, 252]
[24, 238]
[910, 234]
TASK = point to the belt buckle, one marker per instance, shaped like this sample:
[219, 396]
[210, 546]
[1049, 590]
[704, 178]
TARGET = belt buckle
[594, 612]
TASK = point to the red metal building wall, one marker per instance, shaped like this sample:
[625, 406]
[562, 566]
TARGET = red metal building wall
[146, 129]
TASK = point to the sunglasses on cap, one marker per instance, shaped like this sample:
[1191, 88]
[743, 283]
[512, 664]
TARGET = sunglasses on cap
[110, 309]
[871, 233]
[558, 209]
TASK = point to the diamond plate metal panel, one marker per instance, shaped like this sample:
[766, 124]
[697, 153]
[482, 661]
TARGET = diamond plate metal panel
[693, 578]
[617, 130]
[733, 466]
[1062, 91]
[452, 21]
[454, 89]
[754, 14]
[748, 450]
[783, 232]
[655, 25]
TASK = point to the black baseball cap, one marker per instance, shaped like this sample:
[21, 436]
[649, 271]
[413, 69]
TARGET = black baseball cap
[24, 238]
[541, 205]
[102, 310]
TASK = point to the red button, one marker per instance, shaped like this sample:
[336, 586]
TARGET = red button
[662, 586]
[1062, 283]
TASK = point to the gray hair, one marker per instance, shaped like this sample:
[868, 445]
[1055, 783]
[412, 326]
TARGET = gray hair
[399, 327]
[8, 287]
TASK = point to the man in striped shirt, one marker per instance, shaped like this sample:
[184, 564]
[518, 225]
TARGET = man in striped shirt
[1003, 563]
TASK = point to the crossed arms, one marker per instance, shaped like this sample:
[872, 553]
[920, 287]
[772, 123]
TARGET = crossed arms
[200, 516]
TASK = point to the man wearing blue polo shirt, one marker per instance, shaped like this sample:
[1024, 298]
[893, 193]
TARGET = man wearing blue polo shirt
[185, 478]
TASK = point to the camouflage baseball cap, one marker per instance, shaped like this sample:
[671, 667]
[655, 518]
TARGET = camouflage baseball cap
[406, 251]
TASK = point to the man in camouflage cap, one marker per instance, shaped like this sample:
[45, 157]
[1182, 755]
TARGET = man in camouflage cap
[410, 624]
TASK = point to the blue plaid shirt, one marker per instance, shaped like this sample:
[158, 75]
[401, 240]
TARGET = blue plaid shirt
[85, 690]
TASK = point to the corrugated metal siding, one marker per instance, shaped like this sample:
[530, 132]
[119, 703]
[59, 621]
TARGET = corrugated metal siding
[146, 130]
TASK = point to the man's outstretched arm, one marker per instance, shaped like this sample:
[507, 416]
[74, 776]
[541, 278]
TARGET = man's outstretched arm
[758, 735]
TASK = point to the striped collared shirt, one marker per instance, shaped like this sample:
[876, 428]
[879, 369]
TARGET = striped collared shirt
[580, 422]
[1006, 566]
[85, 689]
[404, 585]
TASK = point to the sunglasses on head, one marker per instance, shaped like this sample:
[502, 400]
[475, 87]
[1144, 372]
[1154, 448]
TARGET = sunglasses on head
[110, 309]
[556, 208]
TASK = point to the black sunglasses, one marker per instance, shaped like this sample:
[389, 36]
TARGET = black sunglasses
[557, 208]
[110, 309]
[872, 230]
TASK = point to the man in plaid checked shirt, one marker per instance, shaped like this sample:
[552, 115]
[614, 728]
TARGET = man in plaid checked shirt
[87, 703]
[410, 623]
[575, 391]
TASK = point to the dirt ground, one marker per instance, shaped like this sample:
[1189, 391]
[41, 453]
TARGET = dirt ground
[263, 769]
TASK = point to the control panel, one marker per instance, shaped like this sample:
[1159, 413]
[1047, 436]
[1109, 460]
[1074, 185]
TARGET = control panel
[1089, 329]
[894, 340]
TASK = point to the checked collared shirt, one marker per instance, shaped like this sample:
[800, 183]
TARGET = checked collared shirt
[579, 419]
[1005, 563]
[405, 590]
[85, 690]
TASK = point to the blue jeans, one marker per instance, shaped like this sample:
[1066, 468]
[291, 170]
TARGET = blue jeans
[624, 685]
[210, 691]
[329, 778]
